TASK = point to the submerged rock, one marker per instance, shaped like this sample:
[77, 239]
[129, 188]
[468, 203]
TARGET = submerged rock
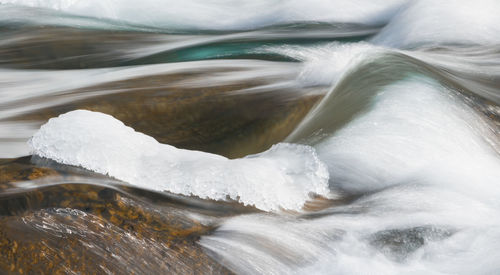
[399, 244]
[68, 48]
[62, 223]
[218, 119]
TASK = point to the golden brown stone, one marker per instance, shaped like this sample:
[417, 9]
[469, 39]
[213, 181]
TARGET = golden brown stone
[93, 229]
[213, 119]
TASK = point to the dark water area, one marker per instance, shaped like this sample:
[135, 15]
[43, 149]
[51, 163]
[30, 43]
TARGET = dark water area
[275, 137]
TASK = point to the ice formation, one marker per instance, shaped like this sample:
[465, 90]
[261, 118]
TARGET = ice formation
[282, 177]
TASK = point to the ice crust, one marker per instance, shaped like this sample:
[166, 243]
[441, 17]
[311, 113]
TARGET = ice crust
[282, 177]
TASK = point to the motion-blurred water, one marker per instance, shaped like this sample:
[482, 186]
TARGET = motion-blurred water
[398, 100]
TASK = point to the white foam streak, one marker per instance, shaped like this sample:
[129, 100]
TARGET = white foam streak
[428, 231]
[424, 163]
[427, 22]
[412, 125]
[325, 64]
[282, 177]
[410, 23]
[473, 67]
[226, 14]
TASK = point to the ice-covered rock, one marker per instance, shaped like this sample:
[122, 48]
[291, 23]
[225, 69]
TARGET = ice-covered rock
[282, 177]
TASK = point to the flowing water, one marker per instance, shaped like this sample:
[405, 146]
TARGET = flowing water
[274, 137]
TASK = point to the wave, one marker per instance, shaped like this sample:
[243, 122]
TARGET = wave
[404, 128]
[471, 69]
[419, 167]
[360, 81]
[402, 102]
[282, 177]
[324, 65]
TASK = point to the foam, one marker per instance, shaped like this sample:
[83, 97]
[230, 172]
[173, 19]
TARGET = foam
[239, 14]
[422, 163]
[282, 177]
[325, 64]
[410, 125]
[427, 22]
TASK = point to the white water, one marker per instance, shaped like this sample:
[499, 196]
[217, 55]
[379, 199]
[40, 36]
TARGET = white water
[429, 175]
[225, 14]
[325, 64]
[428, 22]
[424, 164]
[409, 23]
[414, 125]
[474, 67]
[283, 177]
